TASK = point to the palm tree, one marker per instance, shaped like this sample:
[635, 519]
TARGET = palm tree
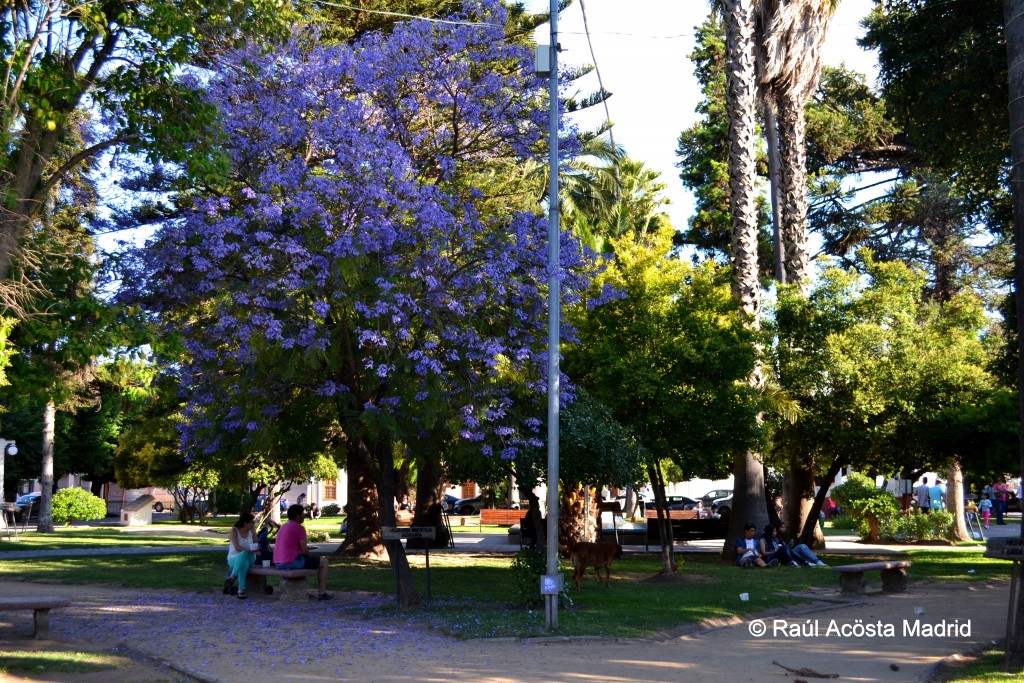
[790, 37]
[739, 17]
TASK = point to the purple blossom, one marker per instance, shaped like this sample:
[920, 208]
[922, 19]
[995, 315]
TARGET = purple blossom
[358, 249]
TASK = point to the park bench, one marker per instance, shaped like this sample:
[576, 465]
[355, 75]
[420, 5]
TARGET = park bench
[894, 576]
[686, 526]
[501, 517]
[294, 582]
[40, 606]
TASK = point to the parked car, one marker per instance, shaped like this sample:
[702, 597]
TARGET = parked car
[468, 506]
[724, 504]
[448, 502]
[29, 504]
[680, 502]
[711, 496]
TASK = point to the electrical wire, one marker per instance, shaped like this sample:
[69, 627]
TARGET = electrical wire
[597, 70]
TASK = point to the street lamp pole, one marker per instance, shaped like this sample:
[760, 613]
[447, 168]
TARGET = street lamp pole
[554, 310]
[6, 448]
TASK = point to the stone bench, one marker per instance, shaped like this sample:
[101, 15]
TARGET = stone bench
[894, 576]
[294, 582]
[40, 606]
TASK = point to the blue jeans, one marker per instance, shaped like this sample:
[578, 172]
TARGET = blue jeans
[240, 564]
[804, 554]
[1000, 506]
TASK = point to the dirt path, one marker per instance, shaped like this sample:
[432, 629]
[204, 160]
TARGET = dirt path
[259, 640]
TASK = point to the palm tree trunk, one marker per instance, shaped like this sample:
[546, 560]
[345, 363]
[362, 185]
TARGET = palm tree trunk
[46, 501]
[793, 191]
[740, 95]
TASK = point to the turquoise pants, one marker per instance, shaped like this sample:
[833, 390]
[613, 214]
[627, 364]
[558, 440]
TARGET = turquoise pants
[240, 564]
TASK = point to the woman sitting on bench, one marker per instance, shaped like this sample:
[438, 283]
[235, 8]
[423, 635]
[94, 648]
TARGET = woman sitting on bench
[240, 552]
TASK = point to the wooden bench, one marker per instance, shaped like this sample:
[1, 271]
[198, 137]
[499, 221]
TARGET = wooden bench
[40, 606]
[294, 582]
[894, 576]
[501, 517]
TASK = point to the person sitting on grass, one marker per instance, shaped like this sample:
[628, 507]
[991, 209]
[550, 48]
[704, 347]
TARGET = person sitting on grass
[798, 551]
[291, 551]
[240, 553]
[774, 551]
[748, 553]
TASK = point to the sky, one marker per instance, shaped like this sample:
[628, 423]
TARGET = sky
[641, 49]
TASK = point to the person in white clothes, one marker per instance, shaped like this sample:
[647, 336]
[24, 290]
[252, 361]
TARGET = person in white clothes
[242, 552]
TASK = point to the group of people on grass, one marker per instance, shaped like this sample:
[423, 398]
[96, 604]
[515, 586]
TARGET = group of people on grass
[291, 551]
[772, 550]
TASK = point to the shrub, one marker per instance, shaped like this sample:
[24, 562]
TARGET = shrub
[318, 537]
[331, 510]
[844, 522]
[70, 505]
[918, 526]
[871, 508]
[528, 565]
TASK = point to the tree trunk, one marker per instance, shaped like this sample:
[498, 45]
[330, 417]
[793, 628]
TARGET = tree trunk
[740, 96]
[1013, 15]
[668, 564]
[799, 511]
[46, 500]
[428, 510]
[574, 521]
[810, 533]
[408, 595]
[955, 503]
[793, 190]
[362, 533]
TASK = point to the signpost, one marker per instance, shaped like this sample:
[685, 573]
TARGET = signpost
[1009, 549]
[393, 533]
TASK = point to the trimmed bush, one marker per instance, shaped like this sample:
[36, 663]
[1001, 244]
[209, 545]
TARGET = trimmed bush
[77, 505]
[871, 508]
[330, 510]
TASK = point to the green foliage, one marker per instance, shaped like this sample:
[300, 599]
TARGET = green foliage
[844, 522]
[528, 565]
[669, 356]
[74, 504]
[918, 526]
[871, 508]
[331, 510]
[879, 370]
[318, 537]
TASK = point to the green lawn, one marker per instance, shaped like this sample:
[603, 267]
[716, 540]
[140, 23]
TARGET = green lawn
[988, 668]
[471, 595]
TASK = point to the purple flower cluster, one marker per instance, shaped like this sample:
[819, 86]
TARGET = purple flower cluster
[363, 260]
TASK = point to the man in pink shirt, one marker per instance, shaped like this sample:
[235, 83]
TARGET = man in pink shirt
[292, 552]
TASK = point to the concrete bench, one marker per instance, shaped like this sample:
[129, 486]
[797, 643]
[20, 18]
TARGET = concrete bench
[294, 582]
[40, 606]
[894, 576]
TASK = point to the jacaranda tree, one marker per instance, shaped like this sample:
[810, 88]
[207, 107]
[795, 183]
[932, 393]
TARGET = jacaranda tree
[361, 285]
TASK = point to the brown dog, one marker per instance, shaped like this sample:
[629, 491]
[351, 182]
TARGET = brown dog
[596, 555]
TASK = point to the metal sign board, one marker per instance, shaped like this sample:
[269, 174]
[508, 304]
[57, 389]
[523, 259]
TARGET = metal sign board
[392, 533]
[1005, 549]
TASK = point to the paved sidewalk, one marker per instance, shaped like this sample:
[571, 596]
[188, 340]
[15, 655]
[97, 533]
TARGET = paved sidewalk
[879, 638]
